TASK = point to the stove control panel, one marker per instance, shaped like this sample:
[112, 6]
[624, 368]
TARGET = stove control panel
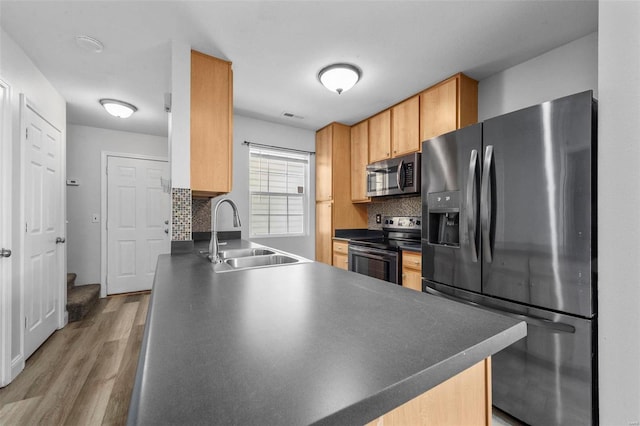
[402, 222]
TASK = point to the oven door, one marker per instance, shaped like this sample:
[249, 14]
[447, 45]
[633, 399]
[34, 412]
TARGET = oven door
[382, 264]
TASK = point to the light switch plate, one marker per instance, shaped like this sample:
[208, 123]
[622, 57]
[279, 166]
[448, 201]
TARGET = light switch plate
[95, 218]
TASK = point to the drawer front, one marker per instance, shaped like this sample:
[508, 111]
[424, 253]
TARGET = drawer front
[341, 261]
[412, 260]
[341, 247]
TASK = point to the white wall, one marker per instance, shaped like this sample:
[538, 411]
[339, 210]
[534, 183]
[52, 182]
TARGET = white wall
[566, 70]
[17, 70]
[180, 117]
[84, 148]
[253, 130]
[618, 207]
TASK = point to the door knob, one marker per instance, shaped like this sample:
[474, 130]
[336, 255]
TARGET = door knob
[60, 240]
[5, 252]
[166, 231]
[166, 222]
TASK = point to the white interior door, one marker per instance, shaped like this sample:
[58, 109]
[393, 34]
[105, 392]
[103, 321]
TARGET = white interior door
[138, 216]
[43, 210]
[5, 235]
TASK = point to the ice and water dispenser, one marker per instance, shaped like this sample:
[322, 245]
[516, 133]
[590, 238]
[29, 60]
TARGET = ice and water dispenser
[444, 218]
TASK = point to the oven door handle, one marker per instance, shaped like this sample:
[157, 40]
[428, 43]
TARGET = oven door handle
[371, 253]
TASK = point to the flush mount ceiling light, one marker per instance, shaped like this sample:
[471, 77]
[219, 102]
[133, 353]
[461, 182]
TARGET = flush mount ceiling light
[339, 77]
[118, 108]
[89, 43]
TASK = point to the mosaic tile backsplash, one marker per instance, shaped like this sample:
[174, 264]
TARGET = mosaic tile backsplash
[201, 214]
[181, 214]
[403, 206]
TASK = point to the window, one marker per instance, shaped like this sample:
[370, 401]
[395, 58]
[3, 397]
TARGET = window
[277, 192]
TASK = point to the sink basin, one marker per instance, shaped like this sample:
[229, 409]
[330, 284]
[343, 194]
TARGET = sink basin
[247, 252]
[256, 261]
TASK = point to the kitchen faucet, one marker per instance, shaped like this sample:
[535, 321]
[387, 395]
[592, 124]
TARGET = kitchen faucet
[213, 244]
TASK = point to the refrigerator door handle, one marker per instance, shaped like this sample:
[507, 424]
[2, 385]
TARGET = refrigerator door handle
[472, 204]
[485, 204]
[557, 327]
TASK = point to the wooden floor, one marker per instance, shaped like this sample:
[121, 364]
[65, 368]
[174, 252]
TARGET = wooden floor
[84, 373]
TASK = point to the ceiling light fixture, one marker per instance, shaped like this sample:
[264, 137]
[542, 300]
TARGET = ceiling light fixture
[339, 77]
[89, 43]
[118, 108]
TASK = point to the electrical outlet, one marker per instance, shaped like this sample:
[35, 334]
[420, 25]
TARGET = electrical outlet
[378, 218]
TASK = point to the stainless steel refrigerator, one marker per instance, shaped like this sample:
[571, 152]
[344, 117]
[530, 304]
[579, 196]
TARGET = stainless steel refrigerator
[509, 224]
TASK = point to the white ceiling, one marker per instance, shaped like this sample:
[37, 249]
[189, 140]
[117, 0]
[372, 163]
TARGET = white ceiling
[278, 47]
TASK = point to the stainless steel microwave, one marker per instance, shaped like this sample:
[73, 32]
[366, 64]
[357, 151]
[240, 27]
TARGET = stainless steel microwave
[395, 176]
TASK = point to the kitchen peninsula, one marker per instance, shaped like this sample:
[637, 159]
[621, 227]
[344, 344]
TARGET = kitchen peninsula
[302, 343]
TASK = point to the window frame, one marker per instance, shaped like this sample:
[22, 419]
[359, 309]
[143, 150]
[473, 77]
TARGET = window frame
[293, 156]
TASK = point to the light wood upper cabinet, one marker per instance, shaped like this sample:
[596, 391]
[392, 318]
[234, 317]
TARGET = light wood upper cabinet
[412, 270]
[447, 106]
[324, 164]
[380, 136]
[211, 125]
[405, 127]
[359, 161]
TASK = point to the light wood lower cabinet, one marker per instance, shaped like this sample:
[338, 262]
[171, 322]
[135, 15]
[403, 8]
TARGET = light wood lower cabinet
[412, 270]
[464, 399]
[324, 231]
[341, 254]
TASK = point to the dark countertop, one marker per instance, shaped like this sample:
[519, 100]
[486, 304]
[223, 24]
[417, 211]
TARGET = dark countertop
[297, 344]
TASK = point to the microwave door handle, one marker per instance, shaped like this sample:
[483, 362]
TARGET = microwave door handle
[485, 204]
[471, 208]
[400, 176]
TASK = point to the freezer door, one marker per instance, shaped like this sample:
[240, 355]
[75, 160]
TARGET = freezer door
[450, 193]
[547, 378]
[536, 209]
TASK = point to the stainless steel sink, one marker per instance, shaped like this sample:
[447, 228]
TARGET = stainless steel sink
[247, 252]
[255, 257]
[255, 261]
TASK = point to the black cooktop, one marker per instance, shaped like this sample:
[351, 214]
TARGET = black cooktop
[399, 233]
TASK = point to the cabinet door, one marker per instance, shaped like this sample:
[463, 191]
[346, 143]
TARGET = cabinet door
[341, 255]
[211, 125]
[412, 270]
[324, 170]
[324, 231]
[380, 136]
[439, 109]
[359, 161]
[405, 127]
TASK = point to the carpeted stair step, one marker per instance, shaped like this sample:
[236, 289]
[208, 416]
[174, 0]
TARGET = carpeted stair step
[80, 300]
[71, 281]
